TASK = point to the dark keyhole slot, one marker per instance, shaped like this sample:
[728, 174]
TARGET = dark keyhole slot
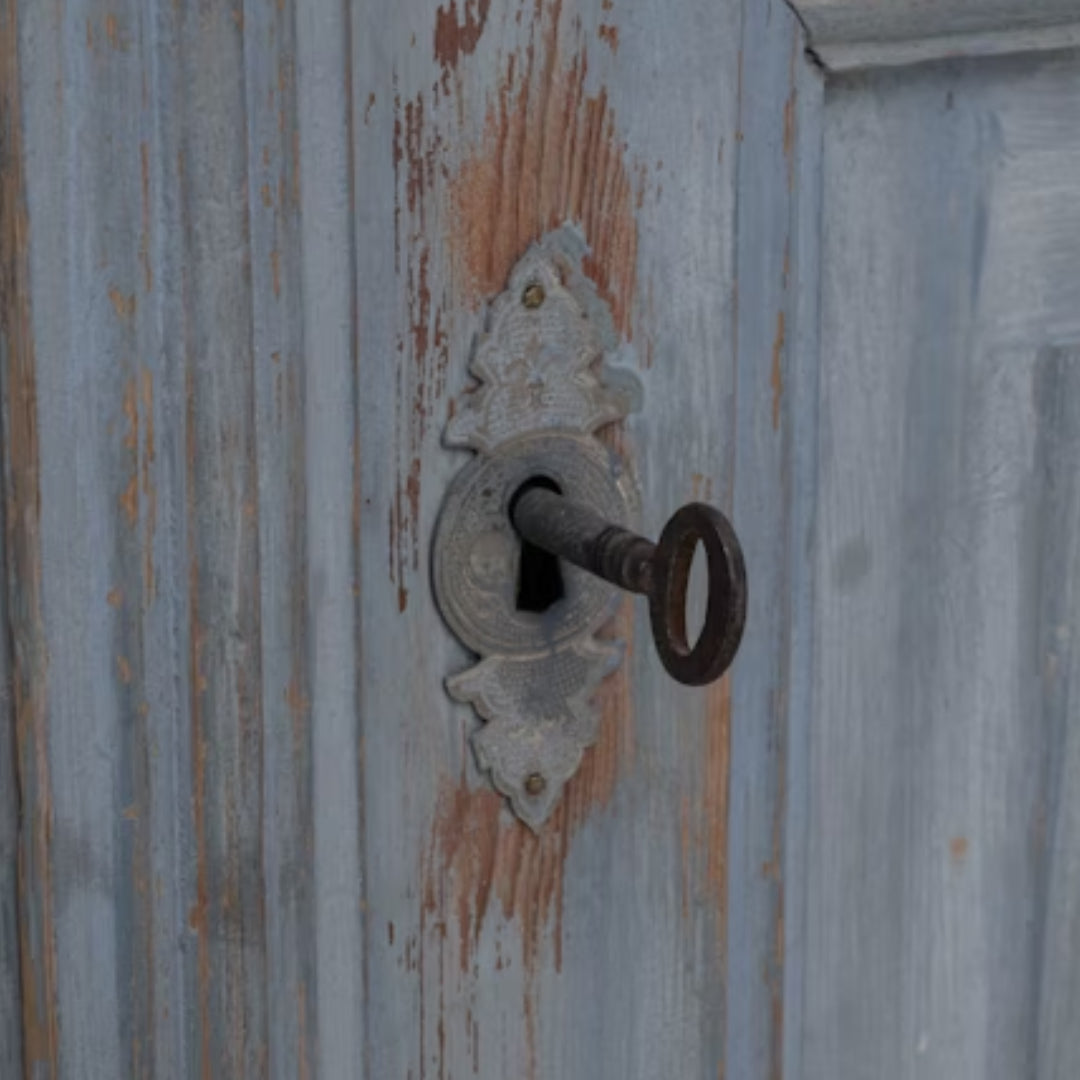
[540, 581]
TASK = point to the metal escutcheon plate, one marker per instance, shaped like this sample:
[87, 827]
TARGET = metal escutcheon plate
[477, 551]
[542, 395]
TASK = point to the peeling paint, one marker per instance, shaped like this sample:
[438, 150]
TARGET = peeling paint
[716, 786]
[776, 375]
[22, 519]
[424, 351]
[551, 153]
[455, 38]
[774, 872]
[480, 855]
[115, 34]
[478, 178]
[144, 232]
[123, 305]
[149, 489]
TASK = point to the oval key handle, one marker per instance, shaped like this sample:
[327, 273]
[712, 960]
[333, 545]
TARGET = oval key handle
[659, 571]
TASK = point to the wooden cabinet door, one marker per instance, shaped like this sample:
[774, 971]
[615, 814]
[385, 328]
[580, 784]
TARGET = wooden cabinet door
[940, 821]
[245, 250]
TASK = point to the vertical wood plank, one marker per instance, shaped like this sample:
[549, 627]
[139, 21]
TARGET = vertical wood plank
[338, 407]
[177, 854]
[939, 759]
[1057, 457]
[256, 278]
[283, 352]
[27, 969]
[493, 950]
[209, 372]
[10, 997]
[775, 154]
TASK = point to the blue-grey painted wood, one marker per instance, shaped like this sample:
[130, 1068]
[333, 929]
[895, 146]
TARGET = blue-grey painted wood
[337, 405]
[774, 226]
[13, 321]
[606, 946]
[246, 248]
[849, 34]
[803, 376]
[10, 996]
[942, 908]
[154, 451]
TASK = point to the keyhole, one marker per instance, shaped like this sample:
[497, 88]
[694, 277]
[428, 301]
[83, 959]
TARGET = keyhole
[540, 581]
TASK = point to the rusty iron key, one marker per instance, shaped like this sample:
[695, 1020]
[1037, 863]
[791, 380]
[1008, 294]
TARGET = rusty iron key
[659, 571]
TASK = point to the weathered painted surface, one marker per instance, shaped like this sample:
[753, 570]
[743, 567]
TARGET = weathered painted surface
[942, 924]
[868, 33]
[606, 946]
[891, 20]
[245, 248]
[885, 20]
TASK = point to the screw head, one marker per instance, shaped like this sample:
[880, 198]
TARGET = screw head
[534, 295]
[535, 784]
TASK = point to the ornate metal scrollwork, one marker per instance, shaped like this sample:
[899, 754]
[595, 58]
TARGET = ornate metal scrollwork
[544, 389]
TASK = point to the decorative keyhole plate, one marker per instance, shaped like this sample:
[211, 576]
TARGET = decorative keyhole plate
[544, 391]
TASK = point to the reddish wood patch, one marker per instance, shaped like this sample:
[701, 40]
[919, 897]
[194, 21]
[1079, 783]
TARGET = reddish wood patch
[717, 772]
[424, 350]
[37, 935]
[550, 154]
[481, 860]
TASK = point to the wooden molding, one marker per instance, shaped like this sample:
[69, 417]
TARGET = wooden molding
[851, 34]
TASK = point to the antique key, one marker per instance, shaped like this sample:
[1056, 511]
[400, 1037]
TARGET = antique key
[660, 571]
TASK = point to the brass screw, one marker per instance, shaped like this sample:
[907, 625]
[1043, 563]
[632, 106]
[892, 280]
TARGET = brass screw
[535, 784]
[533, 296]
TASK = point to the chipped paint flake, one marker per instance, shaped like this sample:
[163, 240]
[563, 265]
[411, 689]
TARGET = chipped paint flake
[457, 36]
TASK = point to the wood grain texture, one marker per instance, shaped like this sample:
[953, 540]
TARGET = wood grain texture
[848, 34]
[163, 282]
[942, 849]
[891, 20]
[10, 996]
[605, 946]
[246, 248]
[244, 251]
[17, 851]
[37, 998]
[802, 375]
